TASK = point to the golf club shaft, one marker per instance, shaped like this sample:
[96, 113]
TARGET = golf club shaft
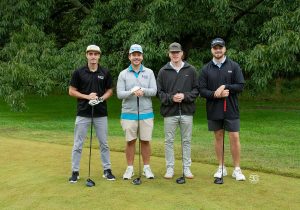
[223, 150]
[179, 110]
[91, 139]
[225, 108]
[138, 131]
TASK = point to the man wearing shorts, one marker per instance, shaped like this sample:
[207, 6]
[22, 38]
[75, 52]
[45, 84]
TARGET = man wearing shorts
[220, 82]
[137, 82]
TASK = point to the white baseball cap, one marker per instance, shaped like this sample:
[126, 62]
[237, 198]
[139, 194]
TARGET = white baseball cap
[93, 48]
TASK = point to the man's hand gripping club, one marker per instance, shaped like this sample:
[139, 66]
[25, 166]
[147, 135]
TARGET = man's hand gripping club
[95, 100]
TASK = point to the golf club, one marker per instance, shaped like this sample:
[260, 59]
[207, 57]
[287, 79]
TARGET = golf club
[181, 180]
[89, 182]
[138, 180]
[220, 180]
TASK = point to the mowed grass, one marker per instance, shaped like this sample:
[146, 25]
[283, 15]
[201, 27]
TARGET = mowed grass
[33, 175]
[270, 131]
[35, 159]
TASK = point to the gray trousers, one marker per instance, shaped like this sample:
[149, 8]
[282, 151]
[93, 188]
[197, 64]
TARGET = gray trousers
[170, 125]
[82, 125]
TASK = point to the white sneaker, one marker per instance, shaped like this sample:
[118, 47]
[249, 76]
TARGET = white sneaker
[238, 175]
[170, 173]
[218, 174]
[187, 173]
[148, 173]
[128, 173]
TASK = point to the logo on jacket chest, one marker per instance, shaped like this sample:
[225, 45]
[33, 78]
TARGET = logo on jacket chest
[229, 71]
[145, 76]
[100, 77]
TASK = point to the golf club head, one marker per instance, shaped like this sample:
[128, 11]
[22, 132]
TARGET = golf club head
[137, 181]
[180, 180]
[90, 183]
[218, 181]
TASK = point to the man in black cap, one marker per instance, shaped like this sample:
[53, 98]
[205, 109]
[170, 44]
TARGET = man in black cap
[177, 89]
[220, 82]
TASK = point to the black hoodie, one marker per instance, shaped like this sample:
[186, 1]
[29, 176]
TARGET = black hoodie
[169, 82]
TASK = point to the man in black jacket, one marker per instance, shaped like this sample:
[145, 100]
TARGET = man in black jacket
[220, 82]
[177, 89]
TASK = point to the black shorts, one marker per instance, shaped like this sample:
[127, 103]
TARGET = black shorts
[230, 125]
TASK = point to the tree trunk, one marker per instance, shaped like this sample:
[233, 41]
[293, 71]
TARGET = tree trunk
[278, 84]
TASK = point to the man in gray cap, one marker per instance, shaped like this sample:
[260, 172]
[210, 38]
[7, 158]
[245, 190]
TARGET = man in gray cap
[177, 89]
[220, 82]
[91, 83]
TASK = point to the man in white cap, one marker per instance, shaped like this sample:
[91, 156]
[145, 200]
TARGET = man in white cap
[88, 84]
[136, 84]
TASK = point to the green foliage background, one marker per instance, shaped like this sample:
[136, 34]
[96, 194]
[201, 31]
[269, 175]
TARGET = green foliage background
[42, 42]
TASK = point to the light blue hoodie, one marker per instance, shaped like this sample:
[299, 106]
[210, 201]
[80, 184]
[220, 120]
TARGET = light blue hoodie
[126, 81]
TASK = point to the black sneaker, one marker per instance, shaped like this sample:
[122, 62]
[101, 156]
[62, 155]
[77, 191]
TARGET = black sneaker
[108, 175]
[74, 177]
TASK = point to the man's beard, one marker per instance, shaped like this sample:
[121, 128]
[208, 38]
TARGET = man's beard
[218, 56]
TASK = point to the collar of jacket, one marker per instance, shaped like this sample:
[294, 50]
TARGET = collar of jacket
[169, 67]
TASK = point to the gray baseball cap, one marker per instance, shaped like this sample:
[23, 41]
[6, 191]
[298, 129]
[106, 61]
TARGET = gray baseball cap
[136, 48]
[175, 47]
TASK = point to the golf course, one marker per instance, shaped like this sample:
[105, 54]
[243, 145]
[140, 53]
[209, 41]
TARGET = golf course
[243, 57]
[35, 160]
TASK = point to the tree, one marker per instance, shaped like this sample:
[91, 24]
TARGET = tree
[46, 41]
[278, 54]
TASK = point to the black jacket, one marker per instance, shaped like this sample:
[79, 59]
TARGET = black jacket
[169, 82]
[211, 78]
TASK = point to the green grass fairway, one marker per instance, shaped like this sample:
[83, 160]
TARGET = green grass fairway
[269, 134]
[33, 175]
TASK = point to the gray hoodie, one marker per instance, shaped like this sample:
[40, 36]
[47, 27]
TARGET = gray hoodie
[127, 80]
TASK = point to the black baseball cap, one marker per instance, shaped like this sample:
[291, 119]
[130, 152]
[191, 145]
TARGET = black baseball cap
[217, 41]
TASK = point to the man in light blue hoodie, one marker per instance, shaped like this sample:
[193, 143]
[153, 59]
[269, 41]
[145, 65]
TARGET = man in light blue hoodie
[137, 81]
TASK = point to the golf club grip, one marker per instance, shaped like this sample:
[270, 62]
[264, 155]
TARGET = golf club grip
[179, 104]
[138, 116]
[225, 105]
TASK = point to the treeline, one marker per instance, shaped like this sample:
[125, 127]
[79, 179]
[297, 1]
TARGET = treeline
[43, 41]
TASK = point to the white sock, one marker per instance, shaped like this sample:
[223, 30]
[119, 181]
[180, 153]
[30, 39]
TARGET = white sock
[237, 168]
[146, 166]
[220, 166]
[131, 167]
